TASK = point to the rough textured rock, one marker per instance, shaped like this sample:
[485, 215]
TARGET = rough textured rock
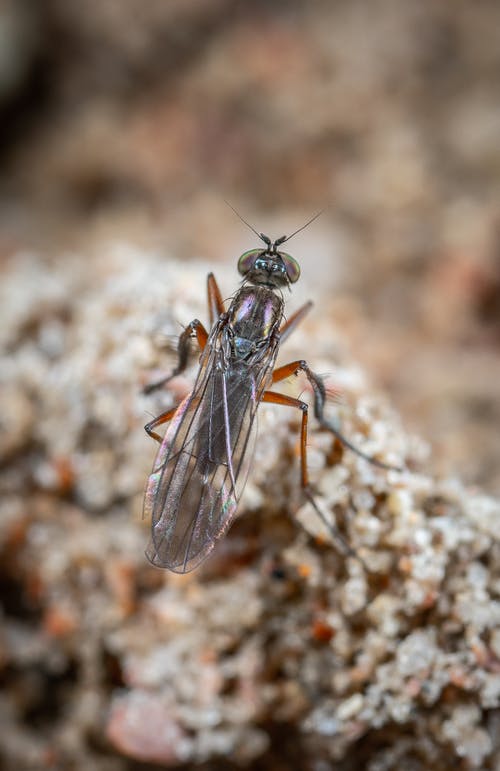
[278, 646]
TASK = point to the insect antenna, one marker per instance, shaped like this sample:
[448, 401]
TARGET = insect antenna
[262, 237]
[265, 238]
[282, 240]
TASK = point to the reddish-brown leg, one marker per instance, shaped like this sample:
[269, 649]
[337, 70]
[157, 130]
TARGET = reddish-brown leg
[294, 320]
[159, 421]
[271, 397]
[215, 301]
[183, 351]
[319, 406]
[289, 401]
[215, 309]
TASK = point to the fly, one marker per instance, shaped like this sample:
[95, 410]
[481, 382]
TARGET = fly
[201, 467]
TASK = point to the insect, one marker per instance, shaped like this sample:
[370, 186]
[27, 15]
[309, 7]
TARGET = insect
[201, 467]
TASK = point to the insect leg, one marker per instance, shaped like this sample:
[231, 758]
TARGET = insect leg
[271, 397]
[289, 401]
[183, 351]
[215, 301]
[294, 320]
[319, 406]
[159, 421]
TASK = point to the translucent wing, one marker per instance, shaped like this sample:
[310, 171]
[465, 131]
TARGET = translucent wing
[199, 472]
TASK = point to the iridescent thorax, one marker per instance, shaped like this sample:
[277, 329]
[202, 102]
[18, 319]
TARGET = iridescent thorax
[253, 317]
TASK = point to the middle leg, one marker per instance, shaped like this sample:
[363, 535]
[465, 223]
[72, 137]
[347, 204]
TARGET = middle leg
[271, 397]
[319, 391]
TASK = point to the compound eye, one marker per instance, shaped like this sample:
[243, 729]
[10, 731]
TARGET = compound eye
[247, 260]
[292, 267]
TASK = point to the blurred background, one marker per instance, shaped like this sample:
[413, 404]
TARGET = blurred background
[134, 121]
[127, 122]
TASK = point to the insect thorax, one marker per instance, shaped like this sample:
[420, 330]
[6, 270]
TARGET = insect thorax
[254, 314]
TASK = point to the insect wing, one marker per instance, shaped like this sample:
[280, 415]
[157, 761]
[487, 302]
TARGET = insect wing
[202, 464]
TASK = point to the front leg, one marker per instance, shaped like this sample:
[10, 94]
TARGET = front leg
[215, 310]
[183, 351]
[215, 302]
